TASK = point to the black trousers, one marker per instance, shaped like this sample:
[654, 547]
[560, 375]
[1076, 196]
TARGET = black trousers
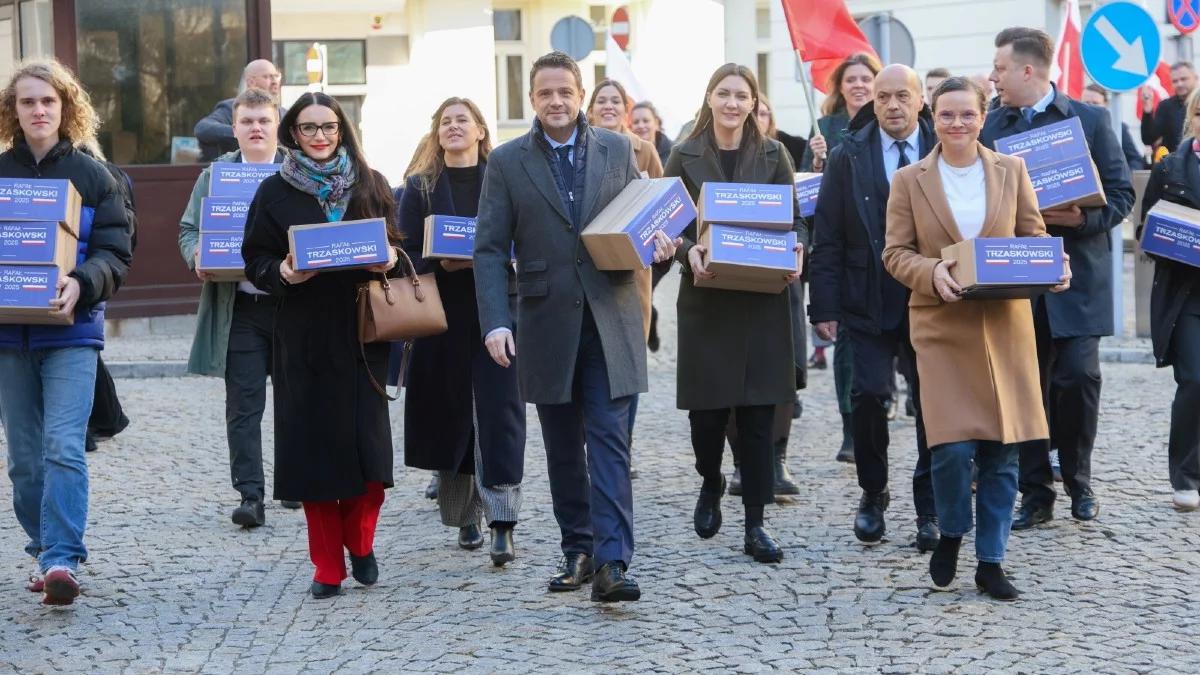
[754, 432]
[247, 365]
[1183, 449]
[871, 390]
[781, 432]
[1070, 378]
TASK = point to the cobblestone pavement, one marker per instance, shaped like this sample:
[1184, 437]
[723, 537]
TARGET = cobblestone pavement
[173, 586]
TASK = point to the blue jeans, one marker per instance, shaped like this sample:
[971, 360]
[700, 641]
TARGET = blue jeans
[994, 497]
[47, 398]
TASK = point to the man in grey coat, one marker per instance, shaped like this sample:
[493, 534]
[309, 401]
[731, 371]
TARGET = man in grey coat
[215, 130]
[579, 328]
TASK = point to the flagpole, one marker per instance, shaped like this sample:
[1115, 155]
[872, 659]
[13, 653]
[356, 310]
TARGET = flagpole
[809, 97]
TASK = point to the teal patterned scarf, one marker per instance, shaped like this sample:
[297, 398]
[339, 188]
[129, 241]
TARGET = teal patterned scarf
[329, 181]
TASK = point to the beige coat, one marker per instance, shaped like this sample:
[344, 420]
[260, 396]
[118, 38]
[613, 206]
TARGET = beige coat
[650, 166]
[977, 359]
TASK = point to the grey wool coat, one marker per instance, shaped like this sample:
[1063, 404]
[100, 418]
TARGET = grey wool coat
[735, 347]
[520, 205]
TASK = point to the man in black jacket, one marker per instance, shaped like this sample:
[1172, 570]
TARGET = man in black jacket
[1069, 325]
[1164, 125]
[850, 286]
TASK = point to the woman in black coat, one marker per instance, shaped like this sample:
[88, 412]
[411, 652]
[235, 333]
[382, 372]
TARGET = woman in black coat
[735, 347]
[1175, 316]
[463, 414]
[333, 441]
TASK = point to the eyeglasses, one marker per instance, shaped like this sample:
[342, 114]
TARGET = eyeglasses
[309, 129]
[947, 118]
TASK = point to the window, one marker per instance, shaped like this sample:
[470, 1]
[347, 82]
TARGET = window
[156, 67]
[598, 72]
[763, 73]
[37, 36]
[510, 95]
[506, 25]
[762, 23]
[347, 61]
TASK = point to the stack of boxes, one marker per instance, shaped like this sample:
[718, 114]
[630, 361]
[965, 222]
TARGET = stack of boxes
[1172, 231]
[223, 217]
[1059, 163]
[747, 229]
[621, 236]
[39, 244]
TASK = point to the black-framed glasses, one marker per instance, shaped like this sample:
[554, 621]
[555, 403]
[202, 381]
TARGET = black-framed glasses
[309, 129]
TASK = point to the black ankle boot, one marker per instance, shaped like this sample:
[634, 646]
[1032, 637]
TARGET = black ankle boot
[990, 578]
[943, 564]
[784, 483]
[846, 452]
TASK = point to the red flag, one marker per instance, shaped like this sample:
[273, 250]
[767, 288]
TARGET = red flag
[1067, 69]
[1159, 87]
[825, 34]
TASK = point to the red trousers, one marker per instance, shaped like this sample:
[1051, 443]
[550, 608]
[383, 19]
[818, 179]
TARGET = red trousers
[344, 523]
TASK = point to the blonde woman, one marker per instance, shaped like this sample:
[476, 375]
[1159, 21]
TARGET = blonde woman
[48, 373]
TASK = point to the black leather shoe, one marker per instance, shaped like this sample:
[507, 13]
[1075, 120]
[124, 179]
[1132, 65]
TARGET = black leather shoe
[1085, 506]
[431, 490]
[574, 570]
[784, 483]
[89, 442]
[928, 533]
[503, 550]
[846, 452]
[990, 578]
[1029, 515]
[797, 408]
[289, 504]
[250, 513]
[735, 481]
[612, 585]
[761, 545]
[321, 591]
[364, 570]
[869, 525]
[469, 537]
[707, 516]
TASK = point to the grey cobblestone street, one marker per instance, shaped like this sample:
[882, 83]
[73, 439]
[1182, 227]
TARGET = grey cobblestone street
[173, 586]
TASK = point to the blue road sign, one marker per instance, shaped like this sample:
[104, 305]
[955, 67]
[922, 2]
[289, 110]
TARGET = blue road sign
[1120, 46]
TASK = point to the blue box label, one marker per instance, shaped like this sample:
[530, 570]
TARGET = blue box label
[33, 243]
[35, 199]
[450, 237]
[754, 205]
[1065, 182]
[1019, 261]
[752, 247]
[221, 251]
[28, 286]
[351, 243]
[671, 211]
[808, 186]
[223, 214]
[239, 179]
[1046, 145]
[1172, 238]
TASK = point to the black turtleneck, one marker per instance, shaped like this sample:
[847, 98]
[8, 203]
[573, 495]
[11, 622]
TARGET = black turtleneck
[464, 189]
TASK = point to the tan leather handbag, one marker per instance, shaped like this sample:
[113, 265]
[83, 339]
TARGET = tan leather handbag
[399, 310]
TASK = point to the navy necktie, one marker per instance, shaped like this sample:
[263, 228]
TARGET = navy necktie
[1028, 114]
[901, 146]
[566, 168]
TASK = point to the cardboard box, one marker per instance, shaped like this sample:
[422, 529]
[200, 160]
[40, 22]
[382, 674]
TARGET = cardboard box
[223, 214]
[748, 259]
[1172, 231]
[32, 199]
[26, 292]
[347, 244]
[239, 179]
[767, 207]
[808, 186]
[1047, 145]
[1074, 181]
[221, 255]
[1006, 268]
[621, 236]
[450, 237]
[38, 243]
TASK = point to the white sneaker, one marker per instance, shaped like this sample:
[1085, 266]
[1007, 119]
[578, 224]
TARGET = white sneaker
[1186, 500]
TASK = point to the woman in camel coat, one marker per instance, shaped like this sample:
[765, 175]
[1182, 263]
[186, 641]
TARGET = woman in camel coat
[978, 357]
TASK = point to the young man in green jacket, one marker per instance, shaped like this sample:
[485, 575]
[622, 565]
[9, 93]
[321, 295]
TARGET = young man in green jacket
[233, 323]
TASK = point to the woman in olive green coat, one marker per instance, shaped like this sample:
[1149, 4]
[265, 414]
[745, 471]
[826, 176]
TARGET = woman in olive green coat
[735, 347]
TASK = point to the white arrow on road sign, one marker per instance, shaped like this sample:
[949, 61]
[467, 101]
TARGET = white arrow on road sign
[1131, 56]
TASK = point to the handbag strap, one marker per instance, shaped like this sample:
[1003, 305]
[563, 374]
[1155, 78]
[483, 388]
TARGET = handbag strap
[404, 360]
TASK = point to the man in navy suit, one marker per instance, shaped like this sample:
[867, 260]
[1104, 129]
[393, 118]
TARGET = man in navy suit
[1069, 325]
[579, 327]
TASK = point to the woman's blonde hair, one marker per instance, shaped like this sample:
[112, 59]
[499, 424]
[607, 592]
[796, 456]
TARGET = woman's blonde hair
[772, 128]
[835, 102]
[78, 123]
[430, 158]
[1189, 112]
[751, 136]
